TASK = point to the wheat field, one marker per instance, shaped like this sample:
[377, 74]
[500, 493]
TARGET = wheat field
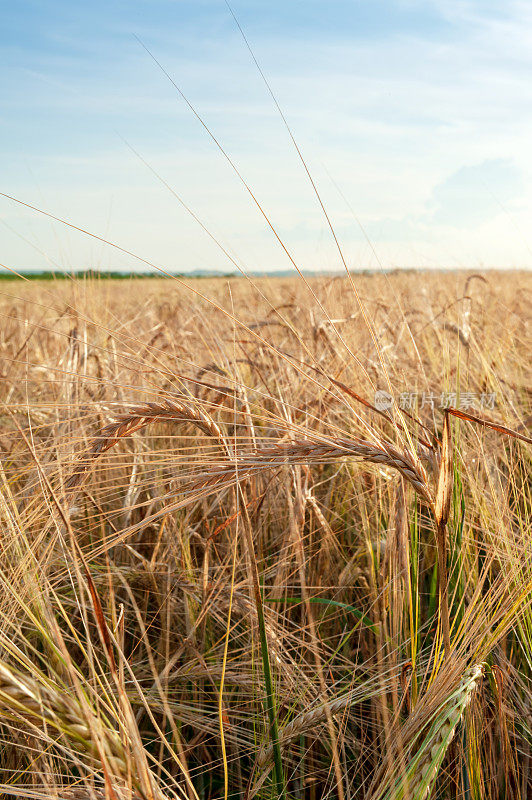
[267, 538]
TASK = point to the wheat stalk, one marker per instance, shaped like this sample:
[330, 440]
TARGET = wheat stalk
[247, 463]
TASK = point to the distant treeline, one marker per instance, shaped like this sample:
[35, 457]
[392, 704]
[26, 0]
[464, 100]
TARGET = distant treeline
[47, 275]
[93, 274]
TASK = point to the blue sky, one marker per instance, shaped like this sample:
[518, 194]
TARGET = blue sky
[415, 119]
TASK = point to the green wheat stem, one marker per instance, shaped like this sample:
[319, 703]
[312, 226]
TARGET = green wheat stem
[268, 680]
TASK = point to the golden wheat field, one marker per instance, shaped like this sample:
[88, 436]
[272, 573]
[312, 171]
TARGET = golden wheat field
[267, 538]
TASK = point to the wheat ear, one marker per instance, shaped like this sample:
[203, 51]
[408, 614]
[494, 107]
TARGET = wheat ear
[22, 697]
[305, 722]
[425, 759]
[133, 420]
[308, 451]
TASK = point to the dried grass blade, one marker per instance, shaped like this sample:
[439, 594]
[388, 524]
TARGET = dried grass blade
[488, 424]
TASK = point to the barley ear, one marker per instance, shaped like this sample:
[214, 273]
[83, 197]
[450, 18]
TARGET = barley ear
[442, 735]
[426, 757]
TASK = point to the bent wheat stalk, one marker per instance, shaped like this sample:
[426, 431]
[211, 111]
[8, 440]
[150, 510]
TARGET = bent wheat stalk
[294, 452]
[308, 451]
[309, 720]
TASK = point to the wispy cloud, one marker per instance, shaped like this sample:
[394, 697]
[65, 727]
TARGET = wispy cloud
[419, 111]
[467, 199]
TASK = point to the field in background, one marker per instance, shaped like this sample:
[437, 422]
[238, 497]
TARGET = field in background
[227, 573]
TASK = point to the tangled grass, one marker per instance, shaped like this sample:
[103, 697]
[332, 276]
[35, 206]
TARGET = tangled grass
[225, 572]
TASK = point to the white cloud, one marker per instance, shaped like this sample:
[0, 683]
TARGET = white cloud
[427, 137]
